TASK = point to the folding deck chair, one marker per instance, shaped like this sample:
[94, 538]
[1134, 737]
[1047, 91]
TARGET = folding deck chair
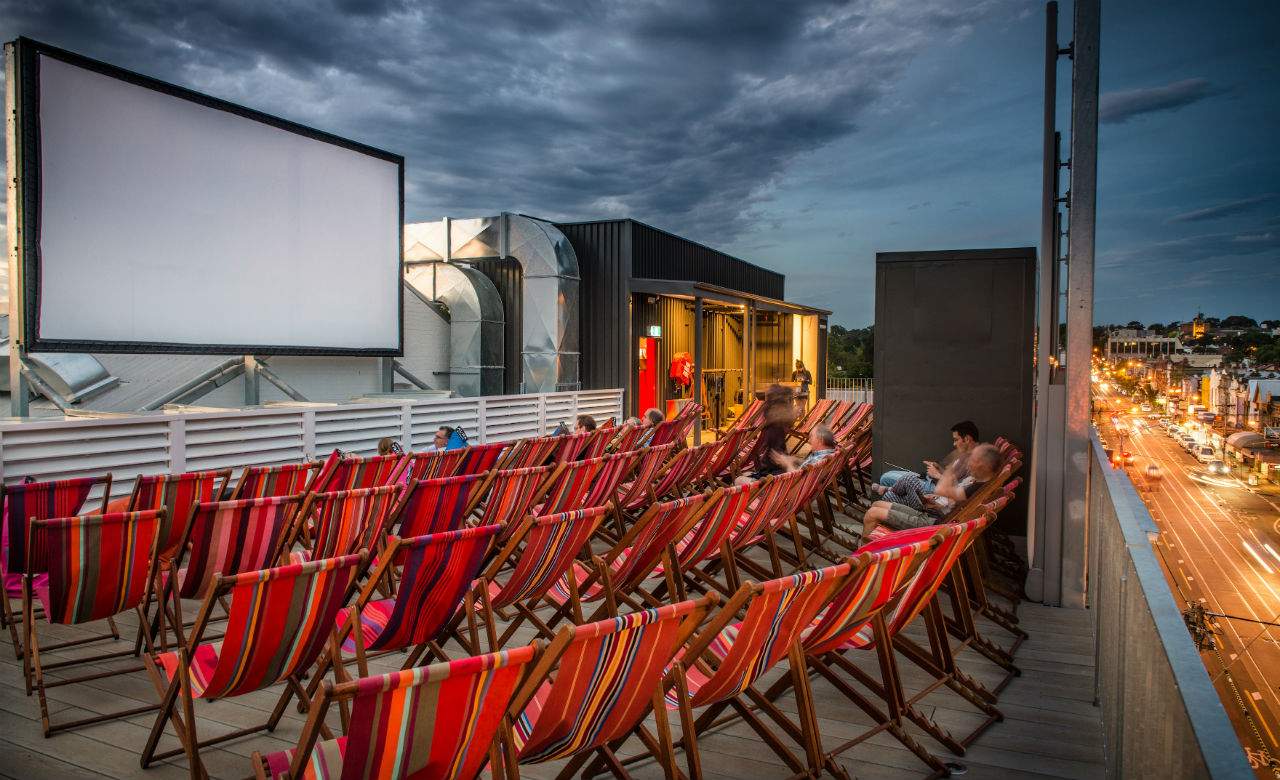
[539, 552]
[98, 566]
[290, 479]
[478, 459]
[721, 665]
[637, 493]
[571, 446]
[626, 438]
[644, 550]
[354, 473]
[437, 572]
[223, 538]
[433, 465]
[608, 483]
[345, 522]
[528, 453]
[511, 494]
[597, 443]
[708, 538]
[570, 486]
[439, 721]
[592, 687]
[665, 432]
[430, 506]
[877, 579]
[677, 477]
[817, 413]
[724, 455]
[24, 503]
[279, 623]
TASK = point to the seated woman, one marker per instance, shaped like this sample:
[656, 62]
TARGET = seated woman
[908, 505]
[778, 417]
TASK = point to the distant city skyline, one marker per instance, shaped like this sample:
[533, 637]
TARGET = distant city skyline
[803, 137]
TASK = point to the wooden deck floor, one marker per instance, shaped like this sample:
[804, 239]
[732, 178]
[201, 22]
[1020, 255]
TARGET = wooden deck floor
[1051, 728]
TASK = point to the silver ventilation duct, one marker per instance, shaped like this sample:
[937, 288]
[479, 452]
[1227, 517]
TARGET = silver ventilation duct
[549, 295]
[475, 322]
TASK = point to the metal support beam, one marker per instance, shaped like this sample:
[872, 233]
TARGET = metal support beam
[252, 384]
[404, 372]
[697, 367]
[18, 401]
[286, 388]
[1080, 248]
[387, 367]
[1045, 515]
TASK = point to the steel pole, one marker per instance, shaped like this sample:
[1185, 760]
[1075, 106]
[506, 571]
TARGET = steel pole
[1080, 249]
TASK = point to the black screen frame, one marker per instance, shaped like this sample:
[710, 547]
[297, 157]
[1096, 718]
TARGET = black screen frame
[26, 53]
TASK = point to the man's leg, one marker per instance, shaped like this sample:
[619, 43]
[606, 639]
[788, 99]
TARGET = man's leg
[900, 518]
[891, 476]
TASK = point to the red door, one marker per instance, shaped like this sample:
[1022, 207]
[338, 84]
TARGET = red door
[650, 374]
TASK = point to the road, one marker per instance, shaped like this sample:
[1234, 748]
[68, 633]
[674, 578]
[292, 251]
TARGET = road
[1220, 543]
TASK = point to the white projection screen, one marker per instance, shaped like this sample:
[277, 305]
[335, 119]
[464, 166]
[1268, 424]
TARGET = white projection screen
[169, 221]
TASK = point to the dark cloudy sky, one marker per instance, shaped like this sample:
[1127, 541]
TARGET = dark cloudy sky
[804, 136]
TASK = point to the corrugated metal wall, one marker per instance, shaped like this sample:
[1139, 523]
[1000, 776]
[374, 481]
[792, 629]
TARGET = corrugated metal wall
[604, 266]
[661, 255]
[508, 277]
[773, 348]
[676, 318]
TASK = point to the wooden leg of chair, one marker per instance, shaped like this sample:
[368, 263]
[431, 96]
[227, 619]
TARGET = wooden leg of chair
[192, 743]
[688, 734]
[28, 623]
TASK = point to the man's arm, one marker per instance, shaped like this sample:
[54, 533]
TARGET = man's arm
[785, 461]
[949, 485]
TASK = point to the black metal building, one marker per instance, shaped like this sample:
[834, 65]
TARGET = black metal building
[646, 289]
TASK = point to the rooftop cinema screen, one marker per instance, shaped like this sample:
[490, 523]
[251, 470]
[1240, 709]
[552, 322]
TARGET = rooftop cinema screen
[170, 221]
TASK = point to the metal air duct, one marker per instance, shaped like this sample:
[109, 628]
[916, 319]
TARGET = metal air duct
[475, 321]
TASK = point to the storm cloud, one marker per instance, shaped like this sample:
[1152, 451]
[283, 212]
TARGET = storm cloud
[1121, 106]
[680, 113]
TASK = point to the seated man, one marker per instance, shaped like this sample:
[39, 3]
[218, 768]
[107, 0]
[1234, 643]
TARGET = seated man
[822, 442]
[964, 437]
[913, 507]
[649, 421]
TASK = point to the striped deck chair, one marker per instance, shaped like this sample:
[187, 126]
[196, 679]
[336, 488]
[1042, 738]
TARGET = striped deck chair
[725, 454]
[23, 503]
[430, 506]
[570, 448]
[721, 666]
[177, 495]
[353, 473]
[511, 494]
[608, 483]
[438, 721]
[753, 525]
[597, 443]
[290, 479]
[884, 635]
[99, 566]
[677, 477]
[618, 574]
[345, 522]
[280, 621]
[570, 485]
[637, 493]
[627, 438]
[479, 458]
[752, 416]
[224, 538]
[540, 552]
[527, 453]
[607, 677]
[437, 574]
[665, 432]
[709, 537]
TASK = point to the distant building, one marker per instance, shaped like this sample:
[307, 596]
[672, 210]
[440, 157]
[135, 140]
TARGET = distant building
[1196, 328]
[1126, 343]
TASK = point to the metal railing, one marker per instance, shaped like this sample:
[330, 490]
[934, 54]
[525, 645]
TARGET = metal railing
[859, 389]
[1161, 716]
[175, 441]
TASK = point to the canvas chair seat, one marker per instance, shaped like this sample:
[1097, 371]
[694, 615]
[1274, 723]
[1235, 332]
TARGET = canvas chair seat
[203, 661]
[13, 584]
[695, 677]
[559, 592]
[326, 760]
[374, 619]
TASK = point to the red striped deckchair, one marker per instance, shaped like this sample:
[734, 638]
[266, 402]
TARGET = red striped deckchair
[597, 443]
[438, 722]
[26, 502]
[677, 476]
[512, 493]
[221, 539]
[721, 666]
[877, 579]
[817, 413]
[99, 566]
[438, 573]
[268, 481]
[176, 494]
[353, 473]
[527, 453]
[540, 552]
[628, 436]
[433, 465]
[280, 620]
[750, 417]
[479, 458]
[724, 455]
[709, 537]
[665, 432]
[883, 634]
[608, 483]
[768, 500]
[607, 677]
[618, 574]
[571, 446]
[430, 506]
[637, 493]
[345, 522]
[570, 485]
